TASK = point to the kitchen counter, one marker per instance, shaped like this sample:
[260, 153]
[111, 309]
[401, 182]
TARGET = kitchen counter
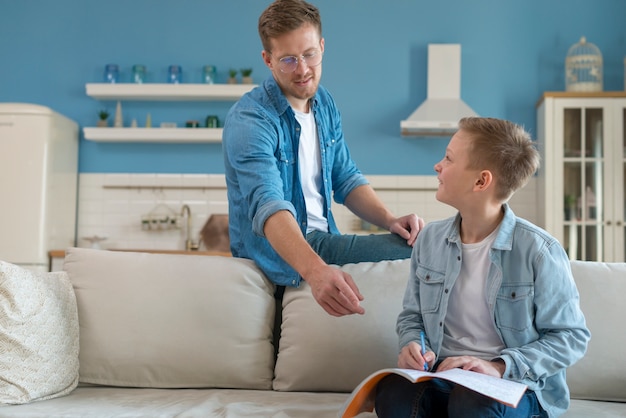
[52, 254]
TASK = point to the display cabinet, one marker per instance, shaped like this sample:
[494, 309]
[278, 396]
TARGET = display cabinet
[581, 187]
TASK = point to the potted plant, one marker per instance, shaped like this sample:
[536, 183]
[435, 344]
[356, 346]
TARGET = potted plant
[245, 75]
[103, 117]
[232, 76]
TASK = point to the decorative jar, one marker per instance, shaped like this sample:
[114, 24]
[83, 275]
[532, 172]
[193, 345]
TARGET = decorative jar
[139, 74]
[111, 73]
[175, 74]
[209, 74]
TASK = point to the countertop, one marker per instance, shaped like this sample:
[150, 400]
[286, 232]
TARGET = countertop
[61, 253]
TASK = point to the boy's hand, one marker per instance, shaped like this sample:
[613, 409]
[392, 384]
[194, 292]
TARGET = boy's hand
[411, 357]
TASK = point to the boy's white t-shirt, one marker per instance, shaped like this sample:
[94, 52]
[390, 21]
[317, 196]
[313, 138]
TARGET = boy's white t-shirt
[310, 163]
[469, 327]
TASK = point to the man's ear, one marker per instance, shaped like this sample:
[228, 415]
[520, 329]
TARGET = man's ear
[267, 59]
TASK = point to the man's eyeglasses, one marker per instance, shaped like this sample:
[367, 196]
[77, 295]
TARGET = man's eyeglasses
[289, 64]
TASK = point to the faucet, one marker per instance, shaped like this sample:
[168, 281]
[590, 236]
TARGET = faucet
[189, 244]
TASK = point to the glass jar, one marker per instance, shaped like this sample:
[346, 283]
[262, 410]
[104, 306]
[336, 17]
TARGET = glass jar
[111, 73]
[175, 74]
[212, 121]
[139, 74]
[209, 74]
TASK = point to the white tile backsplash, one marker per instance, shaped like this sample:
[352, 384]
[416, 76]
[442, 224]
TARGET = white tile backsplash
[112, 205]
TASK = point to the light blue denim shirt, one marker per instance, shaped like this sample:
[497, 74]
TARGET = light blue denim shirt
[530, 290]
[260, 140]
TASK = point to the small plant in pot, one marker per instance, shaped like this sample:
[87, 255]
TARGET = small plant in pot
[232, 76]
[103, 117]
[245, 75]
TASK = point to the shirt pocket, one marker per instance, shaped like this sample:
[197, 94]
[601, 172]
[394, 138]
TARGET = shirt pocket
[514, 307]
[431, 288]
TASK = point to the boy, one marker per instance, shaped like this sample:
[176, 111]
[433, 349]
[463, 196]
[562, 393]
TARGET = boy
[493, 293]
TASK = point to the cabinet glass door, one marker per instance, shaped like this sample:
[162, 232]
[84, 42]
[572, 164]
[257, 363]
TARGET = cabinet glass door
[583, 185]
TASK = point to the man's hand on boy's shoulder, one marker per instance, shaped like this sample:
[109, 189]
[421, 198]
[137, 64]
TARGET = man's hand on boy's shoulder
[407, 227]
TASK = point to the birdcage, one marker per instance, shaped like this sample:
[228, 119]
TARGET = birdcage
[583, 67]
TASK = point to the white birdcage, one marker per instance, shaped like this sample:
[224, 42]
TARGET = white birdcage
[583, 67]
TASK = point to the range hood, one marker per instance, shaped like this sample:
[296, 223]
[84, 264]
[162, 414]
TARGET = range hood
[440, 113]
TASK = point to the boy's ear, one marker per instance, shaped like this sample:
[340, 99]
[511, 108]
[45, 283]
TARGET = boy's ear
[484, 180]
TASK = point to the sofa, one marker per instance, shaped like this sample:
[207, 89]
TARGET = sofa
[122, 334]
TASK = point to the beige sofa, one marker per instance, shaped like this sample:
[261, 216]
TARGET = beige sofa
[156, 335]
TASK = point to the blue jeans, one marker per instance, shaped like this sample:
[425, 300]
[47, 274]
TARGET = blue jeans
[345, 249]
[396, 397]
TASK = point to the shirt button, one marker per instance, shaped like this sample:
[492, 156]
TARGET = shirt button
[446, 290]
[293, 282]
[458, 257]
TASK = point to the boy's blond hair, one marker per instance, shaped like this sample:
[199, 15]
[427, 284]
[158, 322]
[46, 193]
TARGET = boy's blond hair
[505, 149]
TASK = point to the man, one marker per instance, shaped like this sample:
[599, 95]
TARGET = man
[285, 158]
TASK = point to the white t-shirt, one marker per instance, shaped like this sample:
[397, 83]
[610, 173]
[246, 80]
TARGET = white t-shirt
[469, 327]
[310, 163]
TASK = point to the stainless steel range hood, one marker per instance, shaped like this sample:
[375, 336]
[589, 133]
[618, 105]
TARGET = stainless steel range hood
[440, 113]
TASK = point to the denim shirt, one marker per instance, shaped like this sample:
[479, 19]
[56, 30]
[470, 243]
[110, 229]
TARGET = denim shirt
[530, 290]
[260, 140]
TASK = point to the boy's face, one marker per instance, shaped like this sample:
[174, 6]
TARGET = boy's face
[456, 180]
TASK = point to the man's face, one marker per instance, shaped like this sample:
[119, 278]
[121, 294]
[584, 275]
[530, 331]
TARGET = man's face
[301, 84]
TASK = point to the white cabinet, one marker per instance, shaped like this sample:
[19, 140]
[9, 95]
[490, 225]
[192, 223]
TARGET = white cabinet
[582, 140]
[161, 92]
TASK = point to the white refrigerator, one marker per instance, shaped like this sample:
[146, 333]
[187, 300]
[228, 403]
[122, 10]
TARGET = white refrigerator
[38, 183]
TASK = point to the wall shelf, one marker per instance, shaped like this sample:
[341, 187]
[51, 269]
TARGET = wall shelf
[161, 92]
[163, 135]
[170, 92]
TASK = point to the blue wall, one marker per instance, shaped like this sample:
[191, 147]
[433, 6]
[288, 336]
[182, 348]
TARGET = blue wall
[375, 64]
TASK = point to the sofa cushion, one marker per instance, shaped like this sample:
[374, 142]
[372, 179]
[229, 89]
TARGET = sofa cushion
[172, 321]
[601, 374]
[320, 352]
[38, 335]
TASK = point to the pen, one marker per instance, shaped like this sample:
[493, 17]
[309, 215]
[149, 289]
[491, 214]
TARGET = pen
[423, 350]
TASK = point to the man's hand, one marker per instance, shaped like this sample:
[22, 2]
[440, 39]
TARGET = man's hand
[494, 368]
[335, 291]
[365, 204]
[407, 227]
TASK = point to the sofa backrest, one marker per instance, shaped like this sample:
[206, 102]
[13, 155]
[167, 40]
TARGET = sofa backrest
[319, 352]
[172, 321]
[601, 374]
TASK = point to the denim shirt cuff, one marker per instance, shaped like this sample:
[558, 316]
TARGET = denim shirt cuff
[349, 184]
[267, 210]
